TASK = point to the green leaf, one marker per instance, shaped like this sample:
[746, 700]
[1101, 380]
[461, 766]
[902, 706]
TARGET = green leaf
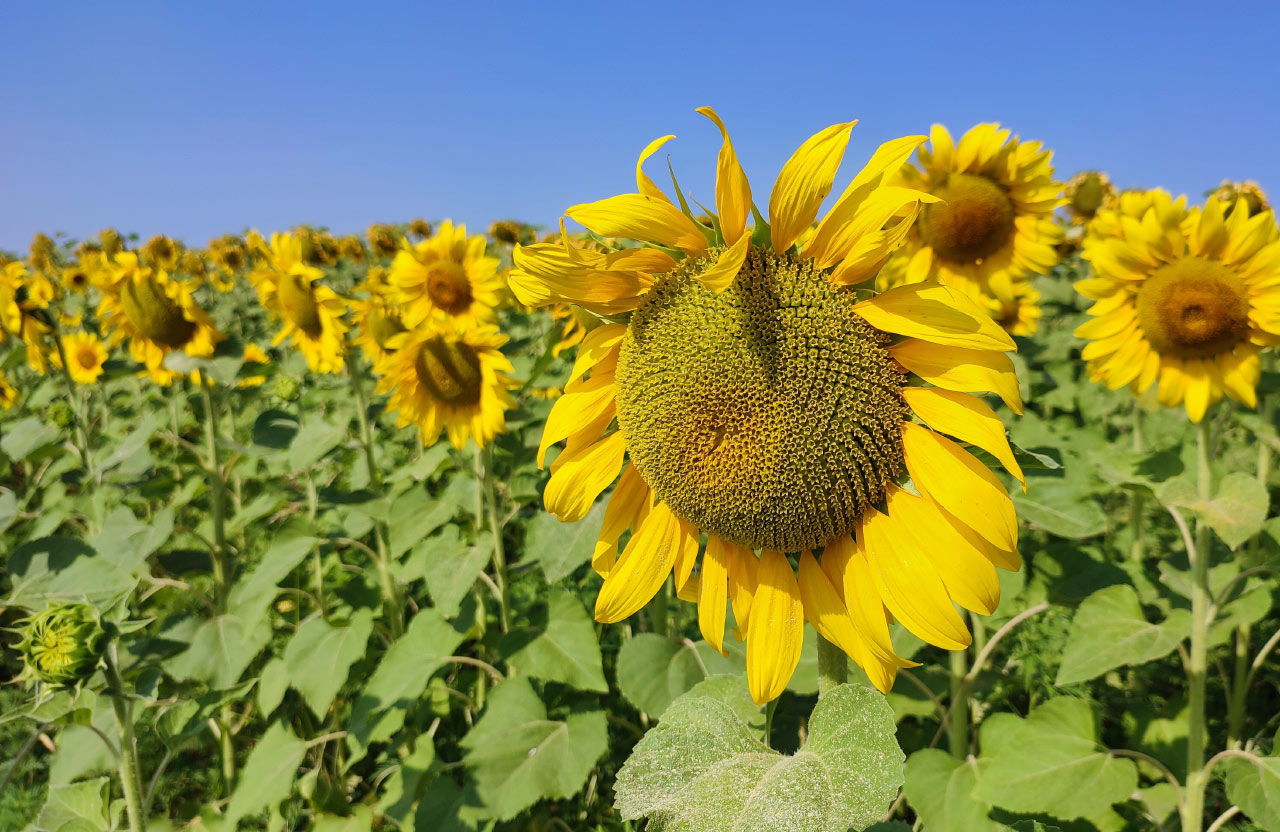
[400, 678]
[518, 755]
[63, 569]
[559, 646]
[268, 774]
[134, 443]
[653, 670]
[733, 691]
[77, 807]
[272, 685]
[25, 436]
[560, 548]
[942, 791]
[1142, 470]
[405, 785]
[1059, 508]
[313, 440]
[449, 565]
[1051, 763]
[275, 429]
[361, 820]
[220, 650]
[1254, 786]
[447, 807]
[425, 466]
[414, 515]
[8, 509]
[1109, 630]
[702, 770]
[252, 593]
[320, 655]
[1237, 511]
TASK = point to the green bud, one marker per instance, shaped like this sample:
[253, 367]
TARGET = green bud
[287, 388]
[60, 413]
[62, 645]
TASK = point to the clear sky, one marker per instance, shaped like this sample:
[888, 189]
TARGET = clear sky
[199, 118]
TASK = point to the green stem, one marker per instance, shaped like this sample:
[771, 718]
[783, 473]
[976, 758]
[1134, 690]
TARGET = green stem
[79, 413]
[484, 470]
[1239, 689]
[130, 771]
[958, 714]
[833, 667]
[1137, 499]
[1197, 779]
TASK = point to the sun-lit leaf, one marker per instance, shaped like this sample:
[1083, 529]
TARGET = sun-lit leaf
[1110, 630]
[559, 645]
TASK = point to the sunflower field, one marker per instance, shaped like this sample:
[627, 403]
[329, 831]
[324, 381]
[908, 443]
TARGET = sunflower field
[939, 502]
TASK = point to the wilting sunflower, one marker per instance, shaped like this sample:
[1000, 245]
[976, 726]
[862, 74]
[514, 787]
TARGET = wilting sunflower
[85, 356]
[1186, 297]
[1255, 199]
[155, 314]
[23, 313]
[1088, 192]
[447, 277]
[377, 323]
[752, 397]
[993, 216]
[311, 314]
[1014, 305]
[453, 379]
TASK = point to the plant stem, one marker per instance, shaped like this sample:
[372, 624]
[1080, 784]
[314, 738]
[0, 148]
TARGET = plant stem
[130, 771]
[958, 719]
[833, 667]
[1193, 806]
[390, 595]
[1137, 499]
[79, 413]
[1239, 689]
[484, 471]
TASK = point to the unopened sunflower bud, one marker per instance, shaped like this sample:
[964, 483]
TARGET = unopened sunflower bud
[287, 388]
[62, 645]
[60, 413]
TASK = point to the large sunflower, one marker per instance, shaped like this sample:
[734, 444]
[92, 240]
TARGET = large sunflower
[155, 314]
[447, 277]
[453, 379]
[751, 396]
[994, 214]
[1186, 297]
[310, 314]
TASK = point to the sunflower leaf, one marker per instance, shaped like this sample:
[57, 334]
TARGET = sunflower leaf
[1109, 631]
[1254, 786]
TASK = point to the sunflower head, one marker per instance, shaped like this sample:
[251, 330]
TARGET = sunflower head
[86, 356]
[382, 239]
[1230, 193]
[506, 232]
[1087, 193]
[76, 278]
[311, 314]
[161, 252]
[8, 394]
[377, 324]
[420, 228]
[1184, 298]
[449, 277]
[44, 253]
[62, 645]
[351, 248]
[111, 241]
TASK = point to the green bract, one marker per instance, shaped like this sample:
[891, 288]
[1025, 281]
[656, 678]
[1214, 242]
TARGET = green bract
[62, 644]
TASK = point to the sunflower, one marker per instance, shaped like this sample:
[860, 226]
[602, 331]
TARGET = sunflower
[351, 248]
[448, 276]
[377, 323]
[1251, 192]
[77, 278]
[1186, 297]
[1014, 305]
[576, 324]
[311, 314]
[85, 356]
[23, 312]
[157, 315]
[8, 394]
[419, 228]
[44, 253]
[1088, 192]
[161, 252]
[994, 213]
[758, 401]
[382, 239]
[451, 378]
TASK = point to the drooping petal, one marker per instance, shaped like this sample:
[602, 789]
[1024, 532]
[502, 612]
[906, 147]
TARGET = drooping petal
[805, 180]
[628, 506]
[733, 191]
[686, 555]
[645, 564]
[572, 410]
[720, 276]
[961, 484]
[713, 595]
[935, 313]
[595, 347]
[961, 370]
[549, 273]
[742, 566]
[643, 183]
[775, 632]
[967, 418]
[643, 218]
[579, 476]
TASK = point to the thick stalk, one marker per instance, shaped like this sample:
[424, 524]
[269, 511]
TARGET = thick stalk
[1239, 689]
[484, 470]
[833, 667]
[1193, 806]
[958, 715]
[130, 772]
[79, 414]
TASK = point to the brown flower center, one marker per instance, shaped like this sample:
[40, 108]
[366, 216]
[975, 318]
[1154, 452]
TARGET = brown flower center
[448, 286]
[298, 304]
[974, 220]
[154, 314]
[87, 357]
[450, 370]
[1193, 308]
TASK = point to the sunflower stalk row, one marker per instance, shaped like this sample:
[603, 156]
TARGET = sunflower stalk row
[904, 497]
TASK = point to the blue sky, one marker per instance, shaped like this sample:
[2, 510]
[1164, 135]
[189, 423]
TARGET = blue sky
[195, 119]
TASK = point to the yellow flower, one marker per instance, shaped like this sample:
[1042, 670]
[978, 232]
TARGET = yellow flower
[1186, 297]
[156, 315]
[419, 228]
[505, 231]
[994, 214]
[44, 253]
[77, 278]
[85, 356]
[377, 323]
[1015, 306]
[1255, 199]
[1088, 192]
[382, 239]
[110, 241]
[454, 378]
[8, 394]
[575, 327]
[351, 248]
[253, 354]
[446, 277]
[23, 299]
[758, 401]
[161, 252]
[311, 314]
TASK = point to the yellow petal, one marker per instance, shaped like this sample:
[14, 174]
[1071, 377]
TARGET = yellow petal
[935, 313]
[967, 418]
[1199, 389]
[628, 506]
[644, 565]
[599, 343]
[961, 484]
[881, 666]
[643, 183]
[642, 218]
[686, 554]
[581, 475]
[775, 632]
[733, 191]
[961, 370]
[548, 273]
[572, 410]
[805, 180]
[825, 610]
[846, 564]
[909, 584]
[720, 276]
[713, 592]
[742, 566]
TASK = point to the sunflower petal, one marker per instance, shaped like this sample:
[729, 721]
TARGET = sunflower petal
[742, 567]
[720, 275]
[595, 348]
[580, 475]
[733, 191]
[645, 564]
[805, 180]
[968, 419]
[572, 410]
[961, 370]
[642, 218]
[627, 507]
[775, 632]
[961, 484]
[935, 313]
[643, 183]
[713, 595]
